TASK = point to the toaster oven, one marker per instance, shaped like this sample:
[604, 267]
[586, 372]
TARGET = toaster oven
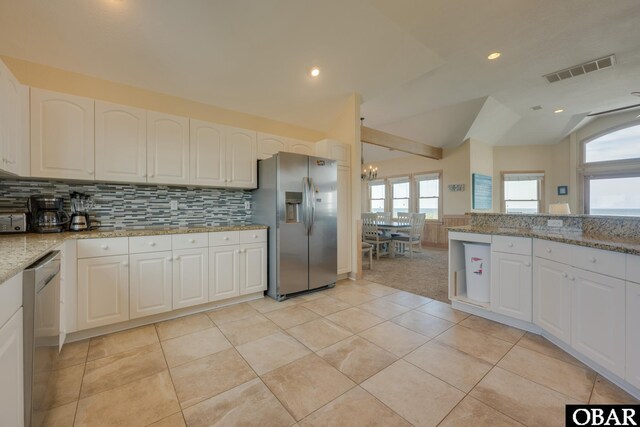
[13, 222]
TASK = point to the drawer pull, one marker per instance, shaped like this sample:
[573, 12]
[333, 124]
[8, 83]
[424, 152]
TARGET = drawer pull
[548, 250]
[176, 258]
[192, 240]
[255, 236]
[510, 244]
[565, 275]
[592, 259]
[169, 259]
[527, 264]
[105, 247]
[572, 278]
[126, 264]
[152, 243]
[226, 238]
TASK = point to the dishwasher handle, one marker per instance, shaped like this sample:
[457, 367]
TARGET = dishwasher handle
[45, 269]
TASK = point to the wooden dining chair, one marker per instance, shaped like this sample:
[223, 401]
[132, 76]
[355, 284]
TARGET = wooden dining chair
[415, 235]
[367, 250]
[384, 217]
[371, 234]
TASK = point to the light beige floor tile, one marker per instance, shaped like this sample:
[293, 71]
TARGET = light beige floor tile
[175, 420]
[417, 396]
[194, 346]
[394, 338]
[306, 385]
[271, 352]
[356, 408]
[206, 377]
[523, 400]
[122, 368]
[407, 299]
[357, 358]
[605, 392]
[326, 305]
[423, 323]
[353, 297]
[268, 304]
[231, 313]
[319, 333]
[74, 353]
[377, 289]
[248, 329]
[443, 311]
[354, 319]
[138, 403]
[108, 345]
[66, 386]
[60, 416]
[472, 412]
[450, 365]
[311, 296]
[474, 343]
[293, 316]
[542, 345]
[183, 326]
[249, 404]
[383, 309]
[560, 376]
[495, 329]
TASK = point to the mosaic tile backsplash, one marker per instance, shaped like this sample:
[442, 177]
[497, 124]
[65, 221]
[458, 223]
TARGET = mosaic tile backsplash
[120, 206]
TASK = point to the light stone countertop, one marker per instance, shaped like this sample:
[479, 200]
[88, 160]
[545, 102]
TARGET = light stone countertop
[616, 244]
[18, 251]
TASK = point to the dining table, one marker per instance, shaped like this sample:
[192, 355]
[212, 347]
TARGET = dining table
[388, 228]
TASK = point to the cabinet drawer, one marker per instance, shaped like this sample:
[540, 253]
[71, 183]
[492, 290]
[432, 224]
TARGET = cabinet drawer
[511, 245]
[192, 240]
[90, 248]
[633, 268]
[224, 238]
[142, 244]
[554, 251]
[253, 236]
[603, 262]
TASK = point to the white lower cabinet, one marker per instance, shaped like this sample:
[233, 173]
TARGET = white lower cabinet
[253, 268]
[11, 372]
[103, 291]
[224, 272]
[552, 298]
[598, 319]
[190, 277]
[511, 285]
[150, 289]
[633, 334]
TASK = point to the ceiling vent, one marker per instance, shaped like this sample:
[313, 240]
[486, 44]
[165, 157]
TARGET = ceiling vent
[578, 70]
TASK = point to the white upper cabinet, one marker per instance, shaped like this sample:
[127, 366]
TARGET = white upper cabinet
[62, 136]
[12, 136]
[268, 145]
[208, 153]
[167, 148]
[334, 149]
[121, 143]
[241, 157]
[301, 147]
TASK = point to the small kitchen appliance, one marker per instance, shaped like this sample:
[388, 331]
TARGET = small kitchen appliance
[81, 204]
[47, 214]
[13, 222]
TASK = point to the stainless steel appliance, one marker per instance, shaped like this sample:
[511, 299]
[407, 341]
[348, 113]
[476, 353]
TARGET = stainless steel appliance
[81, 205]
[47, 214]
[297, 199]
[14, 222]
[41, 311]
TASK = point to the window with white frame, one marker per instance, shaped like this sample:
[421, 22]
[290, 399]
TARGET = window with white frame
[522, 192]
[400, 195]
[428, 195]
[377, 196]
[611, 170]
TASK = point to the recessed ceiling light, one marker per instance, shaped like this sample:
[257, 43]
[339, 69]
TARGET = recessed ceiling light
[559, 110]
[314, 72]
[494, 55]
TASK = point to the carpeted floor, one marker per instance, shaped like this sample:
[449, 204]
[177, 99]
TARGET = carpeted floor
[426, 274]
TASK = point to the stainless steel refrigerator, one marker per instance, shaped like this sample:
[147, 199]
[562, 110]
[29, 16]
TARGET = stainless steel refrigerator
[297, 199]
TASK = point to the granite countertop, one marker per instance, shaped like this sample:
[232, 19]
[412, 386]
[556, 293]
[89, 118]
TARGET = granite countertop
[18, 251]
[617, 244]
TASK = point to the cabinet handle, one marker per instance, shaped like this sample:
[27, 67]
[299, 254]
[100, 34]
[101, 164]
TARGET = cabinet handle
[548, 250]
[152, 243]
[192, 240]
[150, 175]
[90, 172]
[169, 259]
[176, 258]
[572, 278]
[565, 275]
[527, 264]
[126, 264]
[255, 236]
[105, 247]
[510, 244]
[11, 162]
[226, 238]
[592, 259]
[237, 251]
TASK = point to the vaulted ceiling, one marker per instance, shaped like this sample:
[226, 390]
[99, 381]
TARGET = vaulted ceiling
[420, 65]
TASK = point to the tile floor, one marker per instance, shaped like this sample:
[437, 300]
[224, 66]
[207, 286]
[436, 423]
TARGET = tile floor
[359, 354]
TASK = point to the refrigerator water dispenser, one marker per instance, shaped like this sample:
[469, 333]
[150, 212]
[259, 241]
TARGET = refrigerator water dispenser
[293, 201]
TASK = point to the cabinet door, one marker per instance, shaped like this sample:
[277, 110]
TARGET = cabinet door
[150, 287]
[121, 143]
[633, 334]
[253, 268]
[242, 161]
[268, 145]
[552, 298]
[344, 220]
[62, 136]
[598, 319]
[190, 277]
[511, 285]
[11, 372]
[103, 291]
[301, 147]
[10, 121]
[207, 151]
[167, 148]
[224, 273]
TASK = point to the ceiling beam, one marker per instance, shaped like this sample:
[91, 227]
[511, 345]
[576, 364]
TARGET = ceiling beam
[383, 139]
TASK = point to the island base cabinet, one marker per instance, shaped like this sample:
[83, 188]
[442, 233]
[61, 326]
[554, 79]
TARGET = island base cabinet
[552, 298]
[190, 277]
[633, 334]
[11, 372]
[103, 291]
[150, 287]
[253, 268]
[598, 319]
[511, 285]
[224, 272]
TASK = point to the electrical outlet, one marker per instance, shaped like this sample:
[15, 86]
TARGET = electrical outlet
[247, 205]
[554, 223]
[174, 205]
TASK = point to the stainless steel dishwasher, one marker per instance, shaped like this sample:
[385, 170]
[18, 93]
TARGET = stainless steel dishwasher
[41, 310]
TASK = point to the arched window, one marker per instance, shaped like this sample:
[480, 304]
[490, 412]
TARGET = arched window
[622, 144]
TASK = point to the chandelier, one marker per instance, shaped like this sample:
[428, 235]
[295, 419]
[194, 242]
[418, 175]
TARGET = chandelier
[370, 173]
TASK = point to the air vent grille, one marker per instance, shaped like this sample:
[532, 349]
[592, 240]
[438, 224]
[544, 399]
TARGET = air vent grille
[577, 70]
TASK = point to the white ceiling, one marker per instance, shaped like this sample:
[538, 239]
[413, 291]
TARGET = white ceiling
[420, 65]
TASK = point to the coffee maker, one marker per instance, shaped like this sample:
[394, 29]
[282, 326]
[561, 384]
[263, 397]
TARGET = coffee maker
[47, 214]
[81, 205]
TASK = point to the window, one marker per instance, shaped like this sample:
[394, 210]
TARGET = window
[400, 193]
[428, 195]
[614, 196]
[377, 193]
[621, 144]
[522, 192]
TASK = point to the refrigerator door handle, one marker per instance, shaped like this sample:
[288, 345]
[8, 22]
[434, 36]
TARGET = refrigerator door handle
[305, 204]
[312, 198]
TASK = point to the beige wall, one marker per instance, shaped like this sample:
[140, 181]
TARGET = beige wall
[481, 162]
[58, 80]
